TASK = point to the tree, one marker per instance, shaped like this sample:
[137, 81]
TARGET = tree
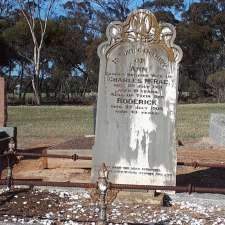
[217, 83]
[166, 5]
[201, 42]
[36, 14]
[93, 17]
[6, 7]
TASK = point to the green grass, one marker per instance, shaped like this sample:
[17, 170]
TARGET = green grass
[50, 121]
[69, 121]
[193, 119]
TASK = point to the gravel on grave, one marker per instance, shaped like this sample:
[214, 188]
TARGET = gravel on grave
[57, 206]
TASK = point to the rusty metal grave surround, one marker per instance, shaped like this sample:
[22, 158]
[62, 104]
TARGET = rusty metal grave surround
[102, 188]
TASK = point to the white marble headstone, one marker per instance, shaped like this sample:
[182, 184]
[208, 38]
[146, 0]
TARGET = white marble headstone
[136, 109]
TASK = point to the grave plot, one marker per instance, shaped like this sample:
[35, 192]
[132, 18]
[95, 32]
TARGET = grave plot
[134, 147]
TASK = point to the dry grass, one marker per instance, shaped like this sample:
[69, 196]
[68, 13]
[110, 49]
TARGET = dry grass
[64, 122]
[193, 119]
[50, 122]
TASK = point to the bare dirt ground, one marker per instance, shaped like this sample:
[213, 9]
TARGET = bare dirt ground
[23, 206]
[58, 208]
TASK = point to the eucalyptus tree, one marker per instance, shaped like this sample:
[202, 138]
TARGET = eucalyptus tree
[202, 40]
[36, 14]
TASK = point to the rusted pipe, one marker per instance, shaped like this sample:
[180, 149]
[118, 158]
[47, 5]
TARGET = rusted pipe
[73, 157]
[189, 189]
[43, 155]
[31, 182]
[76, 157]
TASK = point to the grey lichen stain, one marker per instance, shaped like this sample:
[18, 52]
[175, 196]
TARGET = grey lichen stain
[143, 142]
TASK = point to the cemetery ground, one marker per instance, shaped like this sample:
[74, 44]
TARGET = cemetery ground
[42, 127]
[52, 124]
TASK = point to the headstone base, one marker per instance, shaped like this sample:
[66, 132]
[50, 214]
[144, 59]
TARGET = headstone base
[137, 197]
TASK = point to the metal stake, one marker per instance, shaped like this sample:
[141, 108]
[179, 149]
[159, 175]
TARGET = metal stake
[103, 186]
[11, 152]
[9, 173]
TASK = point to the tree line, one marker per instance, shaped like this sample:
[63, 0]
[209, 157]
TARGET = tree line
[49, 47]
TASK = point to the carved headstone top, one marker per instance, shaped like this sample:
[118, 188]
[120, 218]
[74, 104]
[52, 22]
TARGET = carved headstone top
[135, 127]
[141, 25]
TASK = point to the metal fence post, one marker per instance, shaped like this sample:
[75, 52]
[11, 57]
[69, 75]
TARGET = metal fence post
[102, 185]
[11, 152]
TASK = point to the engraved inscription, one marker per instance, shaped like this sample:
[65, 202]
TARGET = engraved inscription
[138, 87]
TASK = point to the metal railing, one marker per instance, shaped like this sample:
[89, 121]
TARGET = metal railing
[102, 185]
[75, 157]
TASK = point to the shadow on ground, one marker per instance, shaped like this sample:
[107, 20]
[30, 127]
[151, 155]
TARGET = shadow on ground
[203, 178]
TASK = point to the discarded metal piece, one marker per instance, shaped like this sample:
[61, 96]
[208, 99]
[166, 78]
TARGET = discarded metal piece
[103, 185]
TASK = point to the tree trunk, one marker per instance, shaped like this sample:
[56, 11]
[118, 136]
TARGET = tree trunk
[40, 86]
[21, 80]
[36, 91]
[85, 88]
[35, 80]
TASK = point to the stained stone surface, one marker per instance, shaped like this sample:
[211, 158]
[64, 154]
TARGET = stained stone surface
[217, 128]
[136, 109]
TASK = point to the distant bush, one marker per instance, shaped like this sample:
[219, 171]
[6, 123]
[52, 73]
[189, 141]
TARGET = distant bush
[217, 83]
[73, 100]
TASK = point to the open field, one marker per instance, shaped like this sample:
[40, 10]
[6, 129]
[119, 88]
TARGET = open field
[53, 124]
[40, 125]
[193, 119]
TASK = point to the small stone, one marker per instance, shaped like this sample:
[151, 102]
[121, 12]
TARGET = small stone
[97, 210]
